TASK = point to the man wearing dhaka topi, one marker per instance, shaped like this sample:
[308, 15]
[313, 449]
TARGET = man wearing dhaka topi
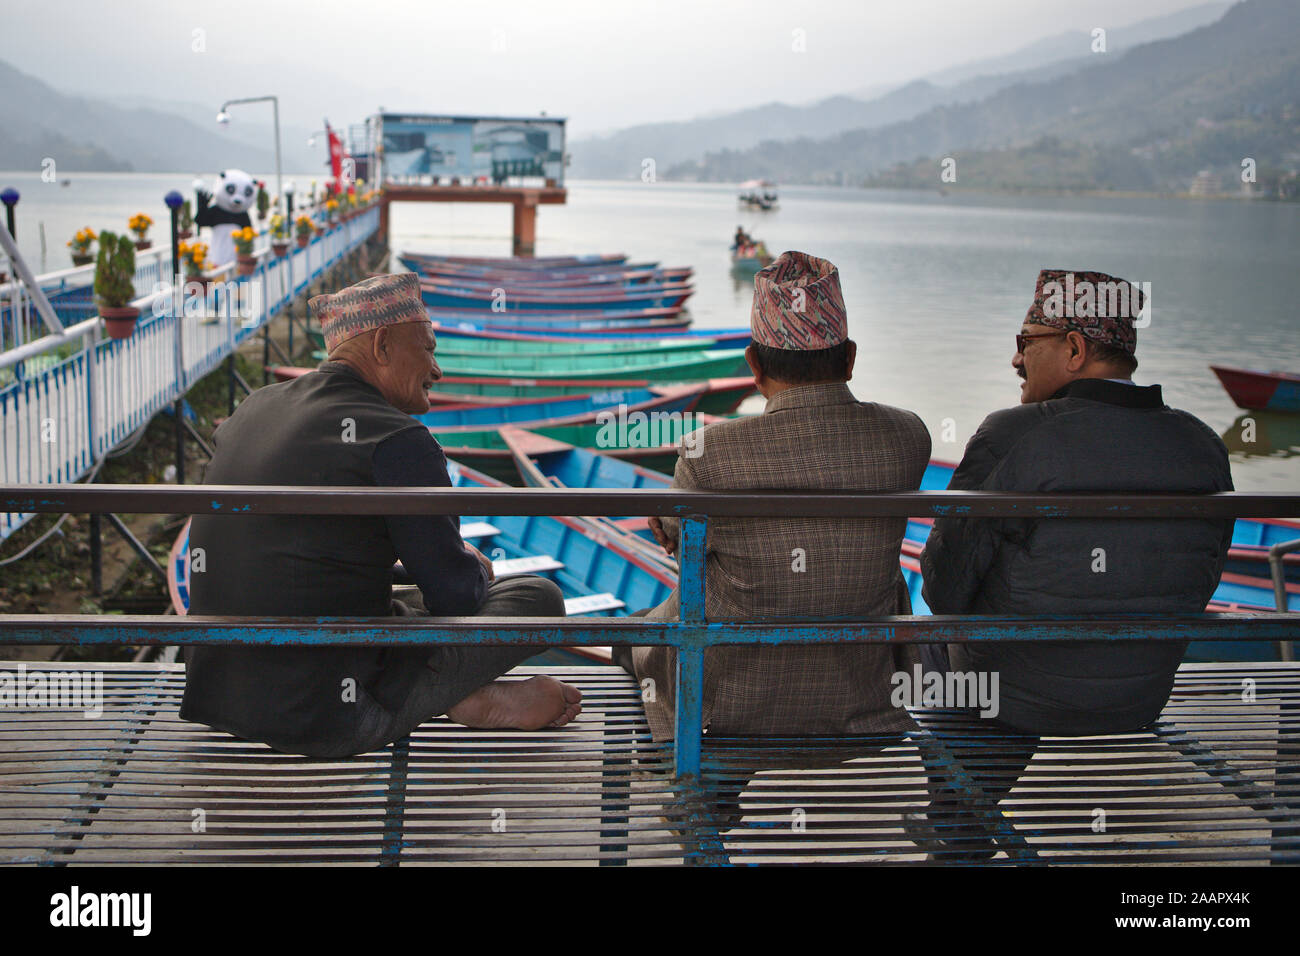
[813, 435]
[349, 424]
[1082, 425]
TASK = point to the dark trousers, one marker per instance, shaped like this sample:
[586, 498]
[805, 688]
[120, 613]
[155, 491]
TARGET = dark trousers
[453, 673]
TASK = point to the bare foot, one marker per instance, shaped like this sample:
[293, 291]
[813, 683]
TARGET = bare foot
[519, 704]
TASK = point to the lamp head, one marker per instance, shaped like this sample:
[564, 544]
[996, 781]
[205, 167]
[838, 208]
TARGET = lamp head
[223, 118]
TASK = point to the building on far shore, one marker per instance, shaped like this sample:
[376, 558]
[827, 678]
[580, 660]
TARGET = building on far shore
[1206, 183]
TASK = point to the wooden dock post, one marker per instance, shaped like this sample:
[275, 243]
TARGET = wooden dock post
[524, 202]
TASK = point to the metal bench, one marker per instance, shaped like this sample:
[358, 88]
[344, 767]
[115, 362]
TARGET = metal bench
[1216, 779]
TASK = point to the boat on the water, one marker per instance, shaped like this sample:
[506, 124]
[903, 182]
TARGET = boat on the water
[730, 338]
[684, 366]
[757, 195]
[559, 348]
[721, 395]
[561, 409]
[649, 441]
[598, 303]
[1253, 390]
[750, 259]
[530, 262]
[648, 322]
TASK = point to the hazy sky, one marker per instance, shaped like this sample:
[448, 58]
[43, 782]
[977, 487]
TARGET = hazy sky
[605, 64]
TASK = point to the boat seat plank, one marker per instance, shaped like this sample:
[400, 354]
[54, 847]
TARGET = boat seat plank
[592, 604]
[528, 564]
[472, 530]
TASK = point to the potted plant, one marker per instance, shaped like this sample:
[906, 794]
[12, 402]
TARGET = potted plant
[263, 202]
[139, 224]
[115, 285]
[279, 235]
[304, 227]
[194, 259]
[80, 246]
[244, 239]
[185, 227]
[332, 209]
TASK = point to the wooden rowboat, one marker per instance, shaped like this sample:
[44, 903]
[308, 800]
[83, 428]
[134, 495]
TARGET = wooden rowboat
[1257, 390]
[649, 366]
[597, 303]
[722, 395]
[731, 338]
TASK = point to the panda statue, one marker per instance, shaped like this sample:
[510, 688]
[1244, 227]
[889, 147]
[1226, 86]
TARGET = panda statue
[225, 210]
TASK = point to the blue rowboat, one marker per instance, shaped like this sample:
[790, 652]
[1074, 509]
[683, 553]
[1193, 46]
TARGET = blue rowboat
[556, 410]
[621, 278]
[651, 322]
[531, 263]
[470, 332]
[604, 304]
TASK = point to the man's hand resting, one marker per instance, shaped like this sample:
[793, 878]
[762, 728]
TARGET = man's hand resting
[483, 559]
[665, 542]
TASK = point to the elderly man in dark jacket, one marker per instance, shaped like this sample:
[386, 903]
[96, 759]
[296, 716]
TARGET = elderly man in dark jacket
[349, 424]
[1082, 425]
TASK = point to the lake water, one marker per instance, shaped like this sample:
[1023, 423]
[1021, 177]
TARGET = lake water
[935, 286]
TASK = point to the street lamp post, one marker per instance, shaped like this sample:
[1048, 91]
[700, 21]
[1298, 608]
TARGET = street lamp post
[223, 117]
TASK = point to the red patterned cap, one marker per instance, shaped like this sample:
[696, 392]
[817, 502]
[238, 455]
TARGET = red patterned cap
[1100, 306]
[798, 304]
[370, 304]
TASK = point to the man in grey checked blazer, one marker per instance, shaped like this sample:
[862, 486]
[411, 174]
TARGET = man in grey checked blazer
[812, 436]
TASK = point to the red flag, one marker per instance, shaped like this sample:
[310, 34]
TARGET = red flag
[336, 157]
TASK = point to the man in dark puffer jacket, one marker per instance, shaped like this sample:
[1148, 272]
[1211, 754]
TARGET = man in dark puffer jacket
[1082, 425]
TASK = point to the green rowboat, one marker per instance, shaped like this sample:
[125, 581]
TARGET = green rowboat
[650, 366]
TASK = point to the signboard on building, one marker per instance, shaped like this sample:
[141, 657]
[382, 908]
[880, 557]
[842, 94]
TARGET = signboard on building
[472, 148]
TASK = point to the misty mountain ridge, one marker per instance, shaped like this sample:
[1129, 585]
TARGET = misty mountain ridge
[1232, 88]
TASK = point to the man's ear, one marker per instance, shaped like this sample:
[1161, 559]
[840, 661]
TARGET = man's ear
[751, 359]
[381, 346]
[850, 359]
[1078, 351]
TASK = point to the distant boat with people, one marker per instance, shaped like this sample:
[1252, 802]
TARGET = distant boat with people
[758, 194]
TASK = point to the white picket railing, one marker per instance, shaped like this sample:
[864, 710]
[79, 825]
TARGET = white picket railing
[75, 396]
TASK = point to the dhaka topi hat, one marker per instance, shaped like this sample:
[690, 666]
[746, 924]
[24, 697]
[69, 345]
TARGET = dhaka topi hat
[798, 304]
[370, 304]
[1100, 306]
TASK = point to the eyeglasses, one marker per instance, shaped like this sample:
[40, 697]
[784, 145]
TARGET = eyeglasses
[1022, 339]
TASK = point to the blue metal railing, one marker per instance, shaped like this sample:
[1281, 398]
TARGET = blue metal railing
[692, 633]
[61, 414]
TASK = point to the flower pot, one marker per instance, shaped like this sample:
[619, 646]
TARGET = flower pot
[82, 259]
[303, 240]
[279, 248]
[143, 244]
[247, 265]
[119, 320]
[184, 233]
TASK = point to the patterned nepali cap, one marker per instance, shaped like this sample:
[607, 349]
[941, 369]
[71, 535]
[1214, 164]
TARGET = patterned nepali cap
[798, 304]
[1098, 305]
[370, 304]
